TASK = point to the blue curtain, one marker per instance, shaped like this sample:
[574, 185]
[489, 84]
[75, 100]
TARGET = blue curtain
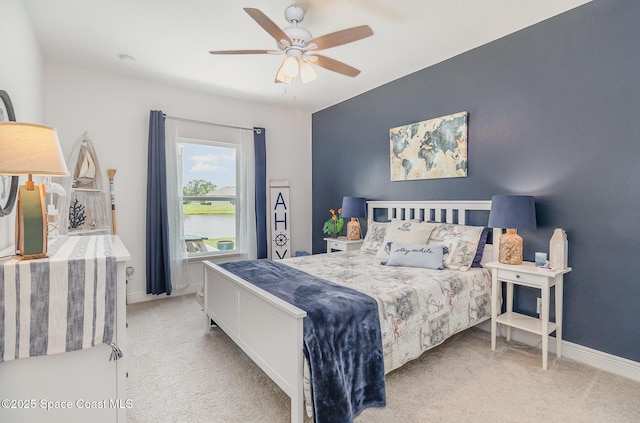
[158, 264]
[261, 191]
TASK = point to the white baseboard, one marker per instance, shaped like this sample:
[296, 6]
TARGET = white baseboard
[138, 297]
[594, 358]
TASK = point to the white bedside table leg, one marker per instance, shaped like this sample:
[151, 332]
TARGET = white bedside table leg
[495, 285]
[509, 306]
[559, 291]
[544, 315]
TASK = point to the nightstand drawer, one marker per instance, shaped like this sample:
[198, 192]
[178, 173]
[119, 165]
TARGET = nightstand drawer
[520, 277]
[342, 244]
[335, 245]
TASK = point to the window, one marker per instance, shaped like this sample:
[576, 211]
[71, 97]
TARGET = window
[207, 176]
[211, 176]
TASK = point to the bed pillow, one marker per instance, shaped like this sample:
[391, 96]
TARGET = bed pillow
[416, 255]
[374, 238]
[405, 232]
[461, 240]
[480, 251]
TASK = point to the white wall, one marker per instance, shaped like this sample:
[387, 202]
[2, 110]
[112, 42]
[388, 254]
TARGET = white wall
[114, 110]
[21, 76]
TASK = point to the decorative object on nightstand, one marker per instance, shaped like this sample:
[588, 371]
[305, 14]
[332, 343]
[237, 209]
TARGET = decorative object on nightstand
[558, 250]
[334, 225]
[30, 149]
[354, 207]
[541, 259]
[512, 212]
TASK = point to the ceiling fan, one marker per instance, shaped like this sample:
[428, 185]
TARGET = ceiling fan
[299, 47]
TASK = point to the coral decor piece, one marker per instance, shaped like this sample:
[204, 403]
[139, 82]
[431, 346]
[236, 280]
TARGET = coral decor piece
[77, 215]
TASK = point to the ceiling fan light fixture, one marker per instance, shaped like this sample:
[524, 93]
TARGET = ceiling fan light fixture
[307, 73]
[290, 67]
[281, 77]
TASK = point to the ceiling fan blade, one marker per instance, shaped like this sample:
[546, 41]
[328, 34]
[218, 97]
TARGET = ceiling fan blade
[240, 52]
[334, 65]
[342, 37]
[267, 24]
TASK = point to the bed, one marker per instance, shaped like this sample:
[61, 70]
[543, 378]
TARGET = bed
[270, 330]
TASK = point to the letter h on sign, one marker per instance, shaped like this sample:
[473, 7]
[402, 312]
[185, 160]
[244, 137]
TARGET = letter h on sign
[280, 203]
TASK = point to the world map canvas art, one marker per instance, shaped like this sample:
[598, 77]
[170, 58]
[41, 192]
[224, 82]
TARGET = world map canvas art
[431, 149]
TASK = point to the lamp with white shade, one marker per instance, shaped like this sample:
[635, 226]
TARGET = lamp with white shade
[512, 212]
[30, 149]
[354, 207]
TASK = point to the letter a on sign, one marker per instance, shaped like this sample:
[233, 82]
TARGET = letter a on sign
[280, 215]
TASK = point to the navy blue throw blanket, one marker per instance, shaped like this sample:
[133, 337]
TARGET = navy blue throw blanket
[342, 339]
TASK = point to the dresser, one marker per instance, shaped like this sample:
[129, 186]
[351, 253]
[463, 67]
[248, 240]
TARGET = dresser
[83, 385]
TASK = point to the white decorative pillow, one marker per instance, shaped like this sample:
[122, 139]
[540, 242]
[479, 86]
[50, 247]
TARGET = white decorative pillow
[462, 242]
[374, 238]
[404, 232]
[416, 255]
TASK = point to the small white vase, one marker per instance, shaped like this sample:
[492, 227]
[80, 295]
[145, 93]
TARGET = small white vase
[558, 249]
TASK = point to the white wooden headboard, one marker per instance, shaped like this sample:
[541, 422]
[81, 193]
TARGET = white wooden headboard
[456, 211]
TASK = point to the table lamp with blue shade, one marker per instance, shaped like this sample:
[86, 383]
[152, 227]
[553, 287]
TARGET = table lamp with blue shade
[29, 149]
[512, 212]
[354, 207]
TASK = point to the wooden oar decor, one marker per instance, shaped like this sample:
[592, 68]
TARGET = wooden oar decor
[111, 173]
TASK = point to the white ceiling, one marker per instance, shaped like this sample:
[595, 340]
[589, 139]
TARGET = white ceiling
[170, 40]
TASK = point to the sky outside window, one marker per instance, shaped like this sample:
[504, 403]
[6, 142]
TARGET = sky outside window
[210, 163]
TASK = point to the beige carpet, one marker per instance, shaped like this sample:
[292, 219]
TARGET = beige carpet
[179, 374]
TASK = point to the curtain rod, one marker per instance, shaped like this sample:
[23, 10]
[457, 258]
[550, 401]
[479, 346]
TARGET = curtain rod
[206, 123]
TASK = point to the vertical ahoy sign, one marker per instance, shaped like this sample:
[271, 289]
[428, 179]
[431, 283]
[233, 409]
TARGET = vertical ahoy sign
[280, 219]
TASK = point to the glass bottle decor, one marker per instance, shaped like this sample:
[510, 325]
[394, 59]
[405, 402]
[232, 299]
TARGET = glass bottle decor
[558, 249]
[510, 248]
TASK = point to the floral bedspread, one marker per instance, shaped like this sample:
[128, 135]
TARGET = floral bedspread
[418, 308]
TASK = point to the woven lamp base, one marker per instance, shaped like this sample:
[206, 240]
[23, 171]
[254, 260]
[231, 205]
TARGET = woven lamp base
[353, 229]
[510, 248]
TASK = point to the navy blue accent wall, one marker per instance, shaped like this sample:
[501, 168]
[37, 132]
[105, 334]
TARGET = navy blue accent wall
[554, 112]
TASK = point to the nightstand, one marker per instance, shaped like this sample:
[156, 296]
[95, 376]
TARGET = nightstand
[527, 274]
[342, 244]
